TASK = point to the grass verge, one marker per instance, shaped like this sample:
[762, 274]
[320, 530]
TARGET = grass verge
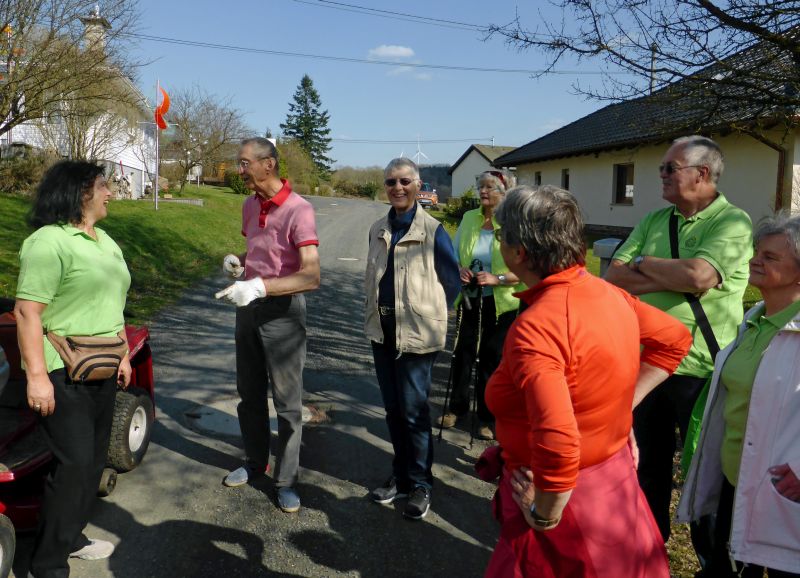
[167, 251]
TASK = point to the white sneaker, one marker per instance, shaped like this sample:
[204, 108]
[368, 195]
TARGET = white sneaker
[94, 550]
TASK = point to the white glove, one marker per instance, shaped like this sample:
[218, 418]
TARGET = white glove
[242, 293]
[232, 266]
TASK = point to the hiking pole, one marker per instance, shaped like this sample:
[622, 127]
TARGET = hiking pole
[475, 369]
[459, 316]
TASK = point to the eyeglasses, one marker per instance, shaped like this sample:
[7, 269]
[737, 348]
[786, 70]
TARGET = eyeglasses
[670, 168]
[405, 181]
[244, 164]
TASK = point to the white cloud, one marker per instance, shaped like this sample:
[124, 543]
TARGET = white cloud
[390, 52]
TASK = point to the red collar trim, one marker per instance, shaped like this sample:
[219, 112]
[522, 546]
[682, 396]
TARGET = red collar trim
[276, 201]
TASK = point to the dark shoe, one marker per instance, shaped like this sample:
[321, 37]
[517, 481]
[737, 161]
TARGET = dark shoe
[485, 432]
[418, 504]
[448, 420]
[288, 500]
[387, 493]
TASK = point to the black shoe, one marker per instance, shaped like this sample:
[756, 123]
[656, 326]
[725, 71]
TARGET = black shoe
[418, 504]
[387, 493]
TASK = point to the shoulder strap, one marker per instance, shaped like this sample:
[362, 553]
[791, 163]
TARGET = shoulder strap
[694, 301]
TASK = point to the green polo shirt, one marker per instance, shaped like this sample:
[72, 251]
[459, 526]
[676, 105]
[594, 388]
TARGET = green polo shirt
[83, 282]
[737, 377]
[720, 234]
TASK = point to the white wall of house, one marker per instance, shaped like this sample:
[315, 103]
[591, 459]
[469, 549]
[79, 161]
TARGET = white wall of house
[465, 173]
[749, 180]
[137, 159]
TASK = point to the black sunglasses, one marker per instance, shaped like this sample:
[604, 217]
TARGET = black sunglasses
[670, 168]
[405, 181]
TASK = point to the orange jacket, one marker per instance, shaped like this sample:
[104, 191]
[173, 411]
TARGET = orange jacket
[563, 392]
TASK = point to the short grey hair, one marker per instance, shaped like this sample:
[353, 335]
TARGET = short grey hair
[263, 148]
[503, 179]
[402, 163]
[702, 151]
[546, 221]
[781, 224]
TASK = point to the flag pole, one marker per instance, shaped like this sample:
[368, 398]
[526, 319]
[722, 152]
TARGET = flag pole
[158, 130]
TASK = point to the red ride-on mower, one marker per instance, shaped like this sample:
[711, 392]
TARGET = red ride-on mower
[24, 457]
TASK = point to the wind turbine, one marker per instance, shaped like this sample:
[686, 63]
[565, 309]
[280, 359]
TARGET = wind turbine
[418, 157]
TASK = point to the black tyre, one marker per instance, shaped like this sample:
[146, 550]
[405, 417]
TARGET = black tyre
[130, 432]
[108, 482]
[8, 543]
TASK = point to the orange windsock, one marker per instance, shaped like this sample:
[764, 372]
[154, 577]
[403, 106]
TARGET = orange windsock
[162, 109]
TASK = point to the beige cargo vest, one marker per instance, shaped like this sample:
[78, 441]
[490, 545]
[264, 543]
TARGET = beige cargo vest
[420, 302]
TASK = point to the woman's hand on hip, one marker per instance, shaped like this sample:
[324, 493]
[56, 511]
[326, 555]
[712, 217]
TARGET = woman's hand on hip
[124, 373]
[41, 398]
[524, 492]
[786, 482]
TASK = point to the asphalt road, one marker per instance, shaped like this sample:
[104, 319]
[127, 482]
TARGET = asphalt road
[172, 517]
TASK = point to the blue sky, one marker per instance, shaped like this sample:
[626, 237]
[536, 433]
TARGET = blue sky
[365, 101]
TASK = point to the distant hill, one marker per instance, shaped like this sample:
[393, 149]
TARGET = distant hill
[438, 178]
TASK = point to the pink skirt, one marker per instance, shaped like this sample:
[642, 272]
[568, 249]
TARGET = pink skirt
[606, 531]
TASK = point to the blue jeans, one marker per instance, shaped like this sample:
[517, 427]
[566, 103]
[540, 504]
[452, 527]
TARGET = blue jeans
[405, 384]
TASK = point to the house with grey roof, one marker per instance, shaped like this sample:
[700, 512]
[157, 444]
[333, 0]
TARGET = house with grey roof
[609, 159]
[475, 160]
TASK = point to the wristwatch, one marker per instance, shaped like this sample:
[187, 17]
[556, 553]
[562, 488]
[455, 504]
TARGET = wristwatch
[502, 279]
[637, 261]
[541, 522]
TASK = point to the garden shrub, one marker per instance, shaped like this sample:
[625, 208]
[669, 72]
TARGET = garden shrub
[234, 181]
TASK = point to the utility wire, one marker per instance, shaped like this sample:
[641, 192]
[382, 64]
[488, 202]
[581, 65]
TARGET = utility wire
[421, 141]
[392, 15]
[250, 50]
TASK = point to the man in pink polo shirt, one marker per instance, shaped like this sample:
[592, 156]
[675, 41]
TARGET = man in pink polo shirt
[280, 265]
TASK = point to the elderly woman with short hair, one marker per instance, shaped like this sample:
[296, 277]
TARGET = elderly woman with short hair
[575, 362]
[747, 461]
[486, 307]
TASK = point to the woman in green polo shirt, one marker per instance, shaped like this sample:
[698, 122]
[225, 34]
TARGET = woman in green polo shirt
[487, 305]
[73, 281]
[747, 461]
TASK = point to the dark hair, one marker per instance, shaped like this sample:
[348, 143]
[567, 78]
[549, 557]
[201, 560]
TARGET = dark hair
[545, 221]
[263, 148]
[62, 192]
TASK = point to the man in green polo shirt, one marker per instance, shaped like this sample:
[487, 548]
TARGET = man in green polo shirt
[714, 245]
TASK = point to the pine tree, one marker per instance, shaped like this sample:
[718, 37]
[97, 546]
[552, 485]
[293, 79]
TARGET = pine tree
[308, 125]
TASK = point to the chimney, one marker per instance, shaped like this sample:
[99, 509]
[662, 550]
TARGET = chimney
[95, 26]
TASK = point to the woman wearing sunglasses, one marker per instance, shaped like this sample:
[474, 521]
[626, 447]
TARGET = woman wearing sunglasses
[487, 305]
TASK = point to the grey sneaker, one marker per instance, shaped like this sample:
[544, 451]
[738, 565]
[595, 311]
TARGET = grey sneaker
[240, 476]
[448, 420]
[94, 550]
[387, 493]
[288, 500]
[419, 504]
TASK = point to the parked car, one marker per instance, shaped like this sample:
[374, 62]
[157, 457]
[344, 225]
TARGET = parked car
[427, 197]
[24, 457]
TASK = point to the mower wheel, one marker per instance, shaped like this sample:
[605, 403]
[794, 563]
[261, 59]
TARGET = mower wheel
[108, 482]
[8, 543]
[131, 429]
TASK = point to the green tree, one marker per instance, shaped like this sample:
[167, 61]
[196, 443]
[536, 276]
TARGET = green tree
[307, 124]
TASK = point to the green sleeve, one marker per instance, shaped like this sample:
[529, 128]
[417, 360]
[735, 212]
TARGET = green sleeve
[632, 246]
[40, 271]
[728, 243]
